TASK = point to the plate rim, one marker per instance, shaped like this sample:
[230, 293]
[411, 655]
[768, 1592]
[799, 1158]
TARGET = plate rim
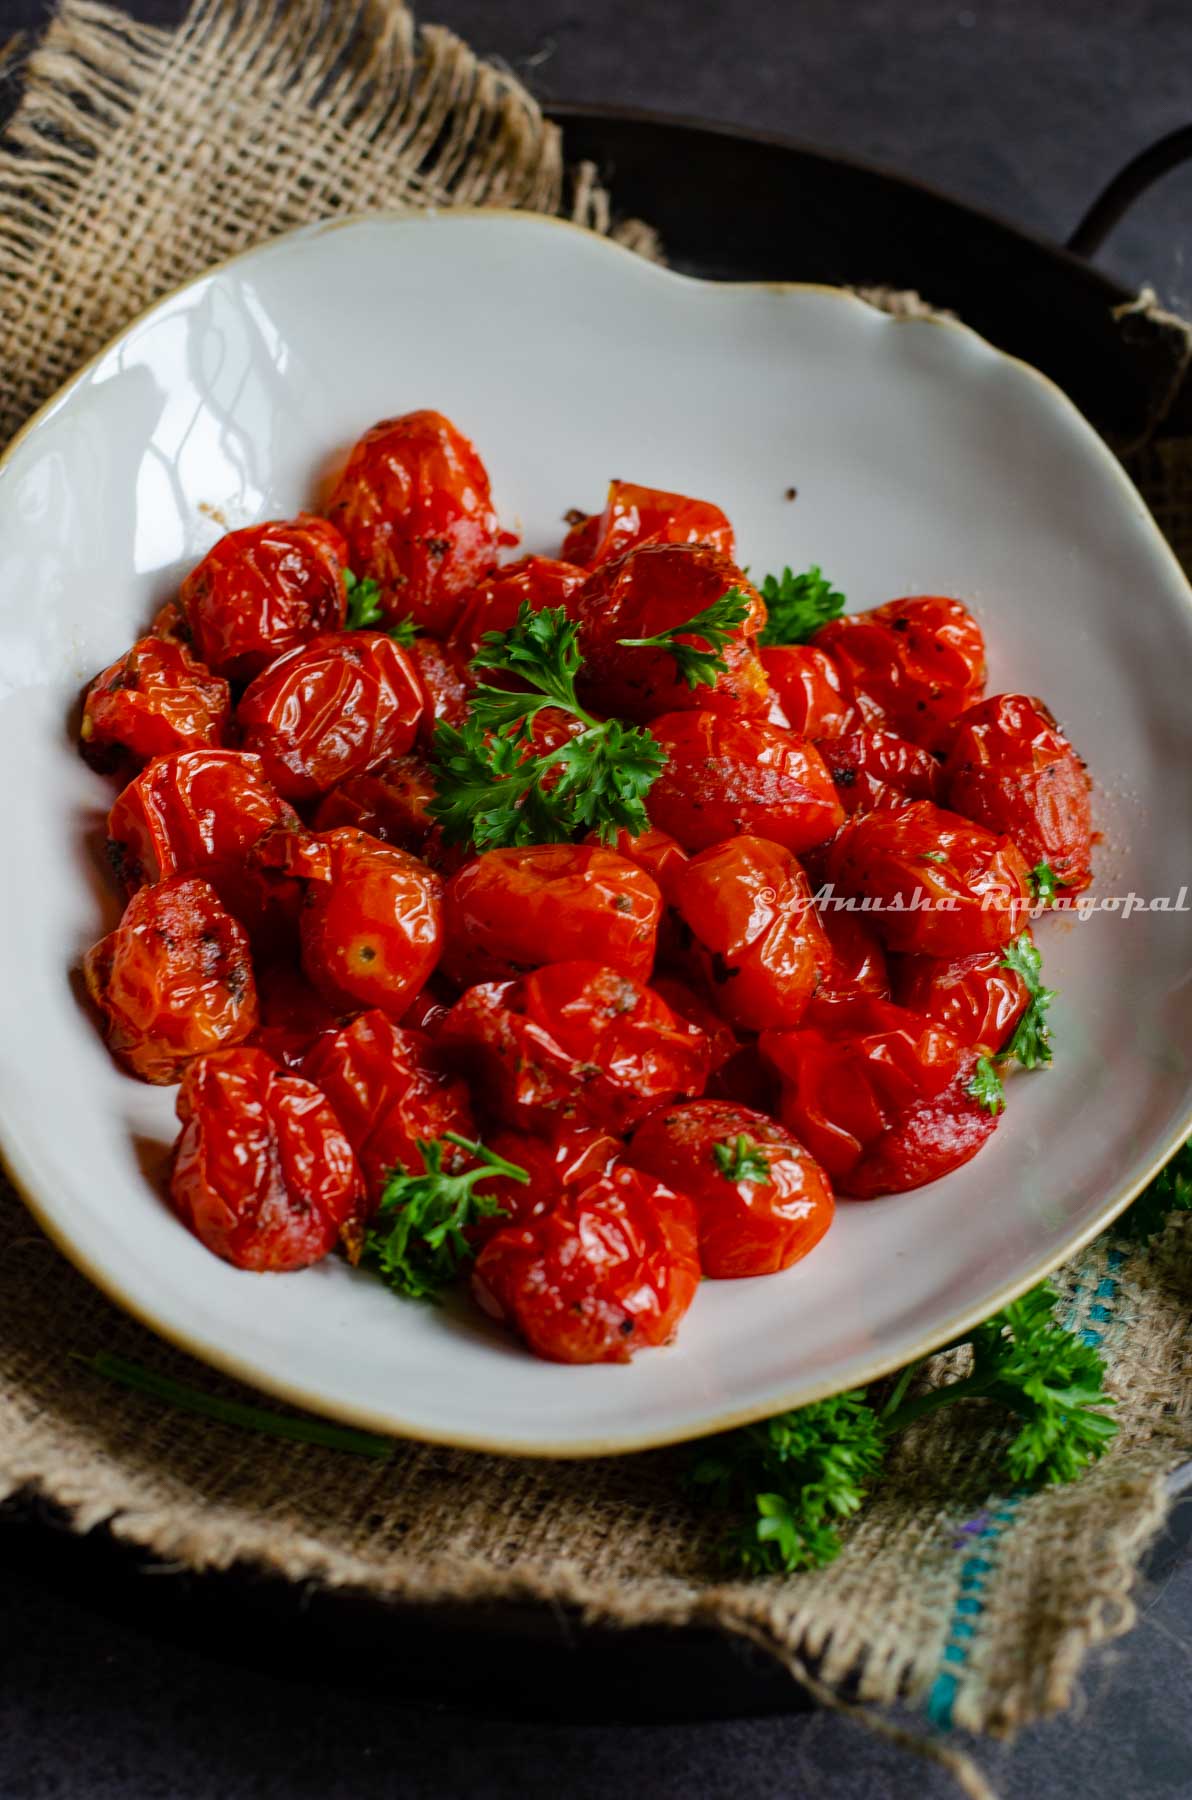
[227, 1361]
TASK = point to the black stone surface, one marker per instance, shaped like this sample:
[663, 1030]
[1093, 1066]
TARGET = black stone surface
[1023, 106]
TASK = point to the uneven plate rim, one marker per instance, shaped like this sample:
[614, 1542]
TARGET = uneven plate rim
[225, 1360]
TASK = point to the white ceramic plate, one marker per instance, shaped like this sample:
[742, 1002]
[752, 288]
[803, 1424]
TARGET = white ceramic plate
[924, 460]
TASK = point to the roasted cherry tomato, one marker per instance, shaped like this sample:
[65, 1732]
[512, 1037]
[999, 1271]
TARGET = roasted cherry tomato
[155, 699]
[858, 961]
[292, 1012]
[263, 1173]
[446, 686]
[727, 775]
[575, 1154]
[977, 997]
[390, 1091]
[863, 764]
[809, 689]
[610, 1269]
[1011, 769]
[756, 936]
[174, 980]
[335, 707]
[263, 591]
[389, 802]
[761, 1201]
[372, 927]
[430, 1006]
[534, 581]
[415, 507]
[912, 665]
[659, 854]
[635, 515]
[576, 1042]
[878, 1095]
[747, 1079]
[512, 910]
[655, 590]
[935, 882]
[682, 999]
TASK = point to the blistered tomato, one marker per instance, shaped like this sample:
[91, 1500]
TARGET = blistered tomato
[446, 686]
[292, 1012]
[864, 763]
[574, 1154]
[155, 699]
[809, 689]
[174, 980]
[577, 1042]
[533, 581]
[1011, 769]
[415, 507]
[912, 665]
[761, 1201]
[335, 707]
[512, 910]
[389, 802]
[636, 515]
[372, 927]
[610, 1269]
[977, 997]
[858, 960]
[263, 1173]
[726, 775]
[682, 999]
[659, 854]
[263, 591]
[935, 882]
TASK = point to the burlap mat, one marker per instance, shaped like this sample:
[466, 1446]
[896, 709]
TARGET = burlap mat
[137, 158]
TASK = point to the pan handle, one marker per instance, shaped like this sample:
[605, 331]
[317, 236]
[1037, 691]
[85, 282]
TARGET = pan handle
[1139, 174]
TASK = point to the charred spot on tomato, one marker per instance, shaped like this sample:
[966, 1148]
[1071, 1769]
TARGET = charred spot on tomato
[437, 547]
[902, 624]
[626, 1327]
[365, 953]
[622, 903]
[845, 777]
[574, 515]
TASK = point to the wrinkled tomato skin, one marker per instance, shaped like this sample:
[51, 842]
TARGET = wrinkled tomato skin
[292, 1012]
[610, 1269]
[390, 802]
[263, 591]
[858, 960]
[809, 689]
[334, 707]
[746, 1227]
[533, 581]
[574, 1155]
[635, 515]
[415, 508]
[900, 859]
[878, 1095]
[430, 1006]
[263, 1173]
[446, 686]
[371, 934]
[508, 911]
[154, 699]
[574, 1043]
[659, 854]
[977, 998]
[682, 999]
[864, 764]
[726, 775]
[912, 665]
[389, 1091]
[1012, 770]
[174, 980]
[756, 936]
[650, 591]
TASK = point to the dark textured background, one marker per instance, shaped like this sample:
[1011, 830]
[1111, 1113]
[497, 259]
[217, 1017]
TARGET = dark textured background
[1023, 106]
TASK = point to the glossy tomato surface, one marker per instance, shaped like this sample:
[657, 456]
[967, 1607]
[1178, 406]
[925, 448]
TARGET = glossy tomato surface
[937, 883]
[493, 605]
[912, 665]
[609, 1269]
[263, 591]
[810, 690]
[335, 707]
[263, 1173]
[635, 515]
[858, 960]
[726, 775]
[655, 590]
[415, 507]
[659, 854]
[755, 934]
[761, 1201]
[174, 980]
[878, 1095]
[977, 997]
[574, 1042]
[195, 812]
[864, 763]
[154, 699]
[1010, 768]
[292, 1012]
[446, 686]
[372, 930]
[390, 802]
[507, 911]
[573, 1155]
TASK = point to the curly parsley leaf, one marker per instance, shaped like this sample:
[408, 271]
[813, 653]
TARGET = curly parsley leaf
[986, 1086]
[1170, 1192]
[1045, 884]
[1031, 1042]
[715, 626]
[740, 1159]
[797, 605]
[416, 1240]
[494, 789]
[365, 612]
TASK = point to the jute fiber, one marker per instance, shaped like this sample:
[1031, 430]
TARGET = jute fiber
[138, 157]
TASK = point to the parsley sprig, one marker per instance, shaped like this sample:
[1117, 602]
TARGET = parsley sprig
[716, 625]
[740, 1159]
[1045, 884]
[790, 1482]
[1031, 1042]
[797, 605]
[1170, 1192]
[365, 612]
[417, 1238]
[494, 789]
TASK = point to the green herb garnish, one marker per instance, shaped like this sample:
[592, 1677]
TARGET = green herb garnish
[715, 625]
[1045, 884]
[797, 605]
[986, 1086]
[1031, 1043]
[365, 612]
[416, 1240]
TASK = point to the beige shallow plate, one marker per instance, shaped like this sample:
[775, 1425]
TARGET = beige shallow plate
[924, 461]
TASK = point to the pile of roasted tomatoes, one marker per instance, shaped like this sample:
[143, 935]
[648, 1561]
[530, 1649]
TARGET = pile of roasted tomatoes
[684, 1053]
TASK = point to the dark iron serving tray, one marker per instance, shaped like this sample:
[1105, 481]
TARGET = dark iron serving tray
[736, 206]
